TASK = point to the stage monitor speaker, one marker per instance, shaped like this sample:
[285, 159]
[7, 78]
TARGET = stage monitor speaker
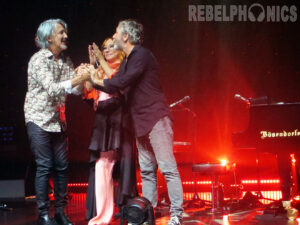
[12, 189]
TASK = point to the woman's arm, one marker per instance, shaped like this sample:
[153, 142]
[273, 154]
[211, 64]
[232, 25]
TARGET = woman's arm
[100, 58]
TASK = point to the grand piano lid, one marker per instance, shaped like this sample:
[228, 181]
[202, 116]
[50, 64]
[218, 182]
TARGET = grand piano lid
[273, 125]
[274, 104]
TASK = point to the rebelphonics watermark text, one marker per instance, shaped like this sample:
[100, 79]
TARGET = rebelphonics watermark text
[242, 13]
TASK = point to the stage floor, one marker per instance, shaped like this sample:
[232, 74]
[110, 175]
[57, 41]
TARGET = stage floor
[25, 213]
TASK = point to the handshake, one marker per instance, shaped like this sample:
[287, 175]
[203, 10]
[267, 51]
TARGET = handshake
[87, 73]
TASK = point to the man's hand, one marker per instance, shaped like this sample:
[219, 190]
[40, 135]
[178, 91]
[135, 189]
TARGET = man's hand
[80, 68]
[88, 86]
[83, 69]
[95, 78]
[83, 74]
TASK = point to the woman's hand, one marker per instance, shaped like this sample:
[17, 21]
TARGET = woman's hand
[92, 56]
[97, 52]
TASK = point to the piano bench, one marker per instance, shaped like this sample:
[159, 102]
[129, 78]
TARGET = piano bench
[214, 170]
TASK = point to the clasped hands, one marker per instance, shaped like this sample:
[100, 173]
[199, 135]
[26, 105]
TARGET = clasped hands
[89, 74]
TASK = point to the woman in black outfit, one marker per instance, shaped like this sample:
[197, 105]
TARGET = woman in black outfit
[111, 141]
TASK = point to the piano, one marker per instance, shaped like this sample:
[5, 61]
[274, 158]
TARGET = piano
[272, 127]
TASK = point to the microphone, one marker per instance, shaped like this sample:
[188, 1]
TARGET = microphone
[97, 64]
[241, 98]
[184, 99]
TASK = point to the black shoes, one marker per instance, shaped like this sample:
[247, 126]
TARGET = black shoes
[45, 220]
[61, 219]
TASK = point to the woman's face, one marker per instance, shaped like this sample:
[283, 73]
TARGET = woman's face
[109, 52]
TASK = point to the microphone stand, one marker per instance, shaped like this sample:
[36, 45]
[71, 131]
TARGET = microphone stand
[163, 198]
[195, 201]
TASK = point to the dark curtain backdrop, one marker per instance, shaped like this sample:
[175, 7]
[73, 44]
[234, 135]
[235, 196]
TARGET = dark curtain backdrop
[208, 61]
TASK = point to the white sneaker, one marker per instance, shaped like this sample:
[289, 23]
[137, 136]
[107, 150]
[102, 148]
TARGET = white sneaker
[174, 220]
[291, 212]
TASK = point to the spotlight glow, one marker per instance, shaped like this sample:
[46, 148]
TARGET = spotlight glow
[224, 162]
[225, 220]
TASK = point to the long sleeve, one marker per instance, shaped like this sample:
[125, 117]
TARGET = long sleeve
[131, 71]
[48, 83]
[40, 70]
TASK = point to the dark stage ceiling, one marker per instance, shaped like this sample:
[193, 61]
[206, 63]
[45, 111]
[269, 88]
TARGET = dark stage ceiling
[210, 61]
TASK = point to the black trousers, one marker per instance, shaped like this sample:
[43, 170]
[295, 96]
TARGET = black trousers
[49, 149]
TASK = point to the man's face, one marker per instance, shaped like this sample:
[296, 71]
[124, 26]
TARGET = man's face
[58, 40]
[118, 39]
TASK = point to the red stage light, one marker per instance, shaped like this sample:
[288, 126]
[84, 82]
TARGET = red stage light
[225, 220]
[77, 184]
[269, 181]
[197, 182]
[293, 159]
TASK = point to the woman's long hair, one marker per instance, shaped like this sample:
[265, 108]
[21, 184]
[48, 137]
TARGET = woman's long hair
[113, 65]
[121, 54]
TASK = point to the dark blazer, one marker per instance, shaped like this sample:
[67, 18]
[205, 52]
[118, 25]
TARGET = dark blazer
[138, 77]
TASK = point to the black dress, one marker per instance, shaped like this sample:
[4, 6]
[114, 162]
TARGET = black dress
[106, 133]
[111, 132]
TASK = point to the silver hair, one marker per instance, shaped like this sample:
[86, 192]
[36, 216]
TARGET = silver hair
[45, 30]
[134, 30]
